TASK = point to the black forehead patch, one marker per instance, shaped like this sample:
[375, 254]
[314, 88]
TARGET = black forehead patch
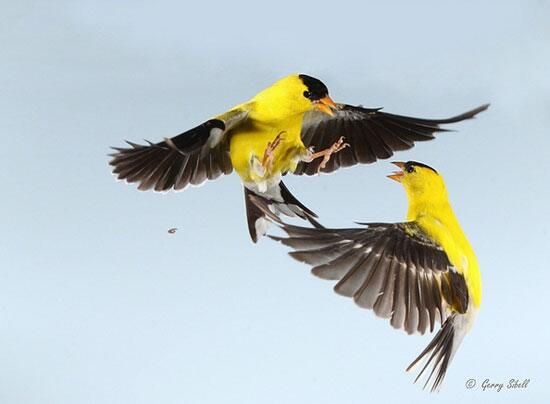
[314, 86]
[417, 164]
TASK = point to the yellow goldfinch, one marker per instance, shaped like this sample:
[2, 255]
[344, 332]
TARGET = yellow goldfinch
[414, 273]
[272, 134]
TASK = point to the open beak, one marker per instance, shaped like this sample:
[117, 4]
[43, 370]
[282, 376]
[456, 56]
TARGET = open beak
[326, 105]
[397, 175]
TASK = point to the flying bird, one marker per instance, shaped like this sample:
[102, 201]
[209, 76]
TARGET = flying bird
[291, 126]
[415, 273]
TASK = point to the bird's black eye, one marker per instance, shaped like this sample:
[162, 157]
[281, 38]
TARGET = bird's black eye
[307, 94]
[410, 169]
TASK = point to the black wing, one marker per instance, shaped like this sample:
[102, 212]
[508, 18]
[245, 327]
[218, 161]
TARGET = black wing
[371, 133]
[393, 269]
[189, 158]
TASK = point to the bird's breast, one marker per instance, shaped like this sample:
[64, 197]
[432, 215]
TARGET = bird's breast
[251, 140]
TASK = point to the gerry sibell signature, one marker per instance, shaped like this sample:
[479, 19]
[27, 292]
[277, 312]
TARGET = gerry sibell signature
[487, 384]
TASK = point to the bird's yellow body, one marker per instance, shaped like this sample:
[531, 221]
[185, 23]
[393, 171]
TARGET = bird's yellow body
[429, 206]
[271, 113]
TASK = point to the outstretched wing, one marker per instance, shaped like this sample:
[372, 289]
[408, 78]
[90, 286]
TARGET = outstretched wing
[393, 269]
[371, 133]
[192, 157]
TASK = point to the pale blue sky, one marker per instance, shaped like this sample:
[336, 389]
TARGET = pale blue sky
[99, 304]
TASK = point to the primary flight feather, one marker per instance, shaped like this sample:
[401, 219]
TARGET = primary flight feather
[291, 126]
[416, 273]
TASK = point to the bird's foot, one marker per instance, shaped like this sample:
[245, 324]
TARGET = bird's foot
[327, 153]
[267, 160]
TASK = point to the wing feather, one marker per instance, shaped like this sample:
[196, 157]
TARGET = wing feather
[371, 133]
[383, 305]
[394, 269]
[192, 157]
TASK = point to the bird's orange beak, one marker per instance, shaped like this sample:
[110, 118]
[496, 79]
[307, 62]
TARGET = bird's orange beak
[326, 105]
[397, 175]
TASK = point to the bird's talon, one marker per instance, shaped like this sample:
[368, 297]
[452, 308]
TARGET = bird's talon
[267, 160]
[327, 153]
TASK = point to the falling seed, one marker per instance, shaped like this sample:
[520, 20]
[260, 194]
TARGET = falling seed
[172, 230]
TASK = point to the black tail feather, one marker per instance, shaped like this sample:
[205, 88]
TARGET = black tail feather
[441, 349]
[259, 207]
[253, 213]
[291, 199]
